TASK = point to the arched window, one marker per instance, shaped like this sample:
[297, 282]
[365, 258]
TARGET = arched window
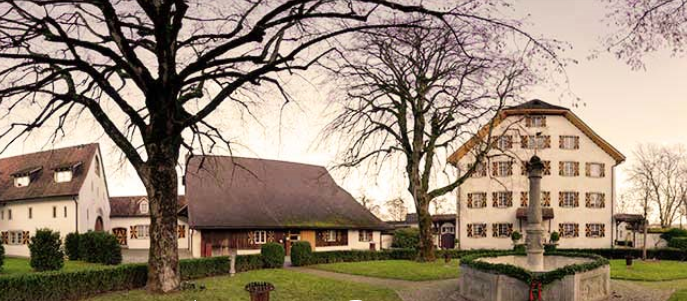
[143, 207]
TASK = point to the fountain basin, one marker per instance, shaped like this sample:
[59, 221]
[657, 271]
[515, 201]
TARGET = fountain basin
[505, 278]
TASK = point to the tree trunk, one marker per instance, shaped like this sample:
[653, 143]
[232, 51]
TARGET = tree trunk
[426, 247]
[163, 261]
[646, 230]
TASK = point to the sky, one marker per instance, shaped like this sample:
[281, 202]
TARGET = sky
[625, 107]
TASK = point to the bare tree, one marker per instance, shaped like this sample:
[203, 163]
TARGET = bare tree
[371, 205]
[397, 209]
[152, 72]
[413, 93]
[647, 26]
[659, 173]
[440, 205]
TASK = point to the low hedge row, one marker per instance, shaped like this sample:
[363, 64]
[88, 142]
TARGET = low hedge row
[356, 255]
[55, 286]
[678, 243]
[621, 253]
[528, 276]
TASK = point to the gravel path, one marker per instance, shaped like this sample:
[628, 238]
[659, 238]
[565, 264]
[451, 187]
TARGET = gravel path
[447, 290]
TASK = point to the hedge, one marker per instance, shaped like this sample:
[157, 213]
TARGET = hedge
[301, 252]
[71, 246]
[203, 267]
[406, 238]
[678, 243]
[673, 233]
[273, 255]
[246, 263]
[2, 256]
[46, 254]
[528, 276]
[100, 247]
[621, 253]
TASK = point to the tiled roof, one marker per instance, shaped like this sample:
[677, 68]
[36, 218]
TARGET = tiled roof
[129, 206]
[40, 167]
[240, 193]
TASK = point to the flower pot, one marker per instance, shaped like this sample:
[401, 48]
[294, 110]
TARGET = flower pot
[259, 291]
[628, 260]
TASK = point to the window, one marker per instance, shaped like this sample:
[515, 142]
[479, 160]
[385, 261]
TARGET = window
[143, 231]
[144, 207]
[502, 230]
[448, 229]
[65, 211]
[477, 230]
[330, 236]
[9, 214]
[22, 181]
[477, 200]
[365, 235]
[595, 170]
[97, 165]
[568, 199]
[568, 230]
[30, 213]
[538, 142]
[16, 237]
[504, 142]
[2, 214]
[537, 121]
[503, 168]
[569, 142]
[502, 199]
[63, 176]
[480, 171]
[569, 169]
[260, 237]
[54, 211]
[595, 200]
[595, 230]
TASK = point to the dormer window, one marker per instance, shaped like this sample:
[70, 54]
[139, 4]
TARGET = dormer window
[22, 181]
[63, 176]
[144, 207]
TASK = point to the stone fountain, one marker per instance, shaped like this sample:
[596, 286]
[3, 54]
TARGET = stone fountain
[535, 276]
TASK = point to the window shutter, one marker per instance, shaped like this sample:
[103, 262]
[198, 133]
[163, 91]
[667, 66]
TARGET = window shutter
[560, 142]
[547, 168]
[469, 228]
[181, 231]
[494, 230]
[577, 142]
[510, 168]
[587, 199]
[270, 236]
[5, 238]
[587, 230]
[602, 228]
[524, 141]
[26, 238]
[603, 170]
[524, 196]
[510, 198]
[560, 168]
[509, 141]
[133, 232]
[603, 200]
[494, 169]
[543, 121]
[577, 199]
[510, 229]
[547, 141]
[251, 237]
[523, 169]
[576, 232]
[469, 200]
[588, 169]
[561, 230]
[484, 232]
[560, 198]
[528, 121]
[576, 167]
[494, 199]
[546, 198]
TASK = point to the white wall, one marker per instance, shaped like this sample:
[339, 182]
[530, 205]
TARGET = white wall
[94, 199]
[127, 222]
[42, 217]
[387, 240]
[587, 152]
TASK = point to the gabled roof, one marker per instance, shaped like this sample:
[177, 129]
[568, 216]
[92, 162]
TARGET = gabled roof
[129, 206]
[40, 167]
[537, 107]
[246, 193]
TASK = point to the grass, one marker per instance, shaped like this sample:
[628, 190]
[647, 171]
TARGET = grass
[290, 285]
[649, 270]
[396, 269]
[17, 266]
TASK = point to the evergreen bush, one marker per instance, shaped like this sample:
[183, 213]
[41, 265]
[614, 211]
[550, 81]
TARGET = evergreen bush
[407, 238]
[100, 247]
[273, 255]
[46, 254]
[71, 246]
[301, 253]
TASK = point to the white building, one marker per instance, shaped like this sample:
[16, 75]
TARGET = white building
[577, 186]
[62, 189]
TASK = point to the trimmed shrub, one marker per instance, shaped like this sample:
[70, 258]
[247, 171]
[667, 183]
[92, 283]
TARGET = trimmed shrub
[662, 253]
[672, 233]
[555, 237]
[515, 236]
[203, 267]
[71, 246]
[407, 238]
[45, 251]
[301, 253]
[519, 247]
[2, 256]
[246, 263]
[678, 243]
[100, 247]
[273, 255]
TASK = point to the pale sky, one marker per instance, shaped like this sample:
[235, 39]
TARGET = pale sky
[625, 107]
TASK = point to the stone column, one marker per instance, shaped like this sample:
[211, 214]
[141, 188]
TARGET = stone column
[232, 263]
[535, 232]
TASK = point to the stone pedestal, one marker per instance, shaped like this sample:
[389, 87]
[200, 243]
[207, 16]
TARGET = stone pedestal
[534, 230]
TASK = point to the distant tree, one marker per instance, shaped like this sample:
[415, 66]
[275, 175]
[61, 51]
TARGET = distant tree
[647, 26]
[396, 208]
[371, 205]
[440, 205]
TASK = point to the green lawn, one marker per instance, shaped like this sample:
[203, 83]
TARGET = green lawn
[396, 269]
[15, 266]
[290, 285]
[649, 270]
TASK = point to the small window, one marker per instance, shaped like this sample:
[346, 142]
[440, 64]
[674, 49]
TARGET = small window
[97, 166]
[479, 200]
[63, 176]
[54, 211]
[537, 121]
[569, 169]
[365, 236]
[504, 168]
[479, 230]
[595, 230]
[22, 181]
[503, 230]
[330, 236]
[569, 142]
[480, 171]
[30, 213]
[537, 142]
[260, 237]
[504, 199]
[2, 214]
[596, 170]
[144, 207]
[9, 214]
[16, 237]
[568, 199]
[568, 230]
[595, 200]
[143, 231]
[448, 229]
[505, 142]
[65, 211]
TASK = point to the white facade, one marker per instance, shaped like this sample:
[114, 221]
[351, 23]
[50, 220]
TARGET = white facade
[138, 242]
[591, 225]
